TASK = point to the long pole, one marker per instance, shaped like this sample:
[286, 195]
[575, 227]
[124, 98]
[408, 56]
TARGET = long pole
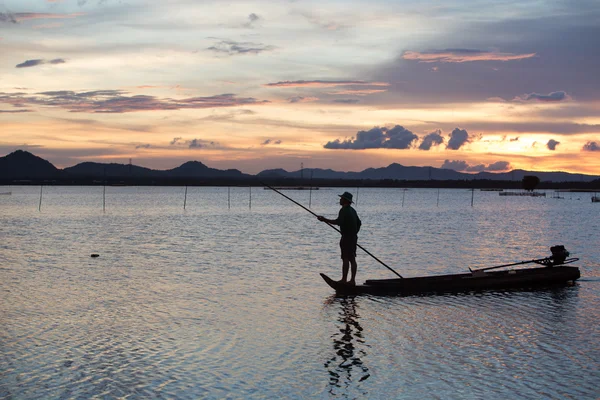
[185, 197]
[40, 206]
[358, 245]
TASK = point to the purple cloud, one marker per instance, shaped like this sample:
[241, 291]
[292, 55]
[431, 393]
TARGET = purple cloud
[591, 146]
[377, 138]
[458, 137]
[117, 101]
[552, 144]
[550, 97]
[432, 139]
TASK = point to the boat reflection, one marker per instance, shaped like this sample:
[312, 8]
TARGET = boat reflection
[346, 368]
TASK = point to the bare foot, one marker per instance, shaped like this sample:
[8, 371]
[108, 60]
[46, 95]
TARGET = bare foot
[352, 283]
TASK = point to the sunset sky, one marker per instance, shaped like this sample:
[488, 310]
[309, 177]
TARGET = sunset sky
[470, 85]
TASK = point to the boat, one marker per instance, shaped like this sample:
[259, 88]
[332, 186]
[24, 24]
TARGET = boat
[550, 272]
[6, 193]
[530, 194]
[595, 199]
[293, 188]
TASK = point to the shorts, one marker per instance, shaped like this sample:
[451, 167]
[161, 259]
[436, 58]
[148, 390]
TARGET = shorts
[348, 247]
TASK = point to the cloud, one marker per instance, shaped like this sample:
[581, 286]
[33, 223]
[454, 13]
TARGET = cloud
[252, 18]
[323, 83]
[200, 144]
[346, 101]
[18, 17]
[143, 146]
[552, 144]
[462, 55]
[118, 101]
[591, 146]
[458, 137]
[550, 97]
[358, 92]
[432, 139]
[34, 63]
[193, 143]
[377, 138]
[300, 99]
[13, 111]
[459, 165]
[230, 47]
[270, 141]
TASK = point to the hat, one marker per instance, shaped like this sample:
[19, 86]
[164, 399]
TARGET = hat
[346, 196]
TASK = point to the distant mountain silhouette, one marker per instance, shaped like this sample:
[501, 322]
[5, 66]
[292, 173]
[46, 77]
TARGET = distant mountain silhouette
[400, 172]
[192, 169]
[22, 165]
[92, 169]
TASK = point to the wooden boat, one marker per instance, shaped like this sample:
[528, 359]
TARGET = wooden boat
[552, 272]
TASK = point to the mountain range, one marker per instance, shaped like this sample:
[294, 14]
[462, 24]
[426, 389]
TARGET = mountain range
[22, 165]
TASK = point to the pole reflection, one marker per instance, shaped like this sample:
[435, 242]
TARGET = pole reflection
[346, 368]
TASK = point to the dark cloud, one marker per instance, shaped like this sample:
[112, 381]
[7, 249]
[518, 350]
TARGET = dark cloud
[458, 137]
[143, 146]
[459, 165]
[432, 139]
[7, 17]
[252, 18]
[270, 141]
[30, 63]
[200, 144]
[34, 63]
[552, 144]
[561, 47]
[550, 97]
[591, 146]
[377, 138]
[117, 101]
[345, 101]
[193, 143]
[300, 99]
[230, 47]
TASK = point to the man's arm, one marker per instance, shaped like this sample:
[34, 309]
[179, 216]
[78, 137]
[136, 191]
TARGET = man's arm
[329, 221]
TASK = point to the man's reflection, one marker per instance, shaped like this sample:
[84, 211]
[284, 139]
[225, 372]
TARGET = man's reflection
[346, 366]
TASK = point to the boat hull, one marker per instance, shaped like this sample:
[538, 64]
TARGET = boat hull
[477, 281]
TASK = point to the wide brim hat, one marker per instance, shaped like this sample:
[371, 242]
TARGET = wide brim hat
[346, 196]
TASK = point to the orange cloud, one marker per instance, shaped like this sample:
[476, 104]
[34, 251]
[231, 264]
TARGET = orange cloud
[462, 55]
[321, 83]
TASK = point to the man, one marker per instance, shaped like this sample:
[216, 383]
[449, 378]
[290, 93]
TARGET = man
[349, 226]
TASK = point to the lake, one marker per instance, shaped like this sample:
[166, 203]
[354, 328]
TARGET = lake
[223, 299]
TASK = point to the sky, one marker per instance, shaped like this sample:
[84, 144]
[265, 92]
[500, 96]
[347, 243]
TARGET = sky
[468, 85]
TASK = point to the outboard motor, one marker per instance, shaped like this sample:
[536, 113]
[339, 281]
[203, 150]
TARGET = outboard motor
[559, 254]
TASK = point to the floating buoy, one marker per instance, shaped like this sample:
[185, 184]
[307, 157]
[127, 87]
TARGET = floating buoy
[95, 255]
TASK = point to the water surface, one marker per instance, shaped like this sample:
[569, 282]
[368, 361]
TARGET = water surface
[222, 299]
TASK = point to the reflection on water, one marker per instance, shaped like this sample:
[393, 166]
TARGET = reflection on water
[346, 367]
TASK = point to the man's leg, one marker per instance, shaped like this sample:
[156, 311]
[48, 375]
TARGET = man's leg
[345, 267]
[354, 267]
